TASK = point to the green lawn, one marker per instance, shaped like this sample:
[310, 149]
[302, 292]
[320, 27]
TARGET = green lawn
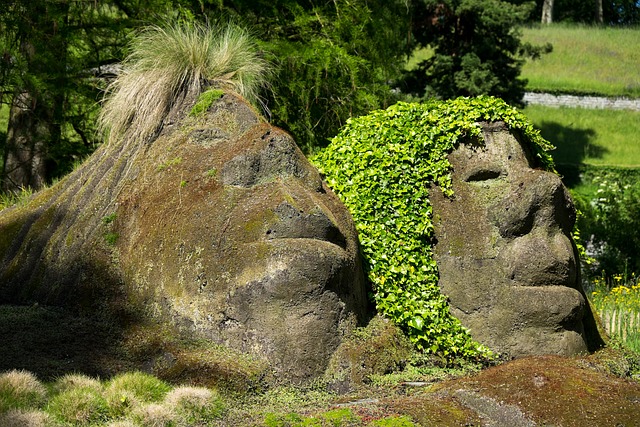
[591, 137]
[585, 59]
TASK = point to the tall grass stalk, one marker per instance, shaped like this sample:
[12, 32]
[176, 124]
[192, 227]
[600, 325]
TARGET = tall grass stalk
[619, 309]
[167, 63]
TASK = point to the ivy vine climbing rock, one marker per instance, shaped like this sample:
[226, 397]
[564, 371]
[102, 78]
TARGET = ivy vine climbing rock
[389, 166]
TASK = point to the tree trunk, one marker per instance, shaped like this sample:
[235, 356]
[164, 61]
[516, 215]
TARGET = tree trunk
[25, 150]
[547, 12]
[599, 15]
[38, 100]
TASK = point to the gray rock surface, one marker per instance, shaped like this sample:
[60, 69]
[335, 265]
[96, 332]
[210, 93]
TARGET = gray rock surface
[504, 251]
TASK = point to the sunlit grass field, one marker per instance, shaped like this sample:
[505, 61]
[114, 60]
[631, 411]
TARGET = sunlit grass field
[585, 59]
[591, 137]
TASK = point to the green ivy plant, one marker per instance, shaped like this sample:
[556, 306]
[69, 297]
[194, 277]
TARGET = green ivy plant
[381, 166]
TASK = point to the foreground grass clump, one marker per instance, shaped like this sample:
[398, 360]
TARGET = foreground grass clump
[129, 399]
[592, 60]
[378, 165]
[143, 387]
[21, 390]
[79, 406]
[136, 399]
[618, 305]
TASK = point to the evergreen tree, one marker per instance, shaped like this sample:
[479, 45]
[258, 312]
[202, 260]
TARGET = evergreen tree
[334, 60]
[476, 49]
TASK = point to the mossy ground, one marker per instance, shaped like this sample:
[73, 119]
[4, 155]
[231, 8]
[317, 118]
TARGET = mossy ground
[394, 387]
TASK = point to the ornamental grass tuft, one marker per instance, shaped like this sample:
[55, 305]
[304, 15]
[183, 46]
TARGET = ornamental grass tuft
[79, 406]
[25, 418]
[143, 387]
[167, 63]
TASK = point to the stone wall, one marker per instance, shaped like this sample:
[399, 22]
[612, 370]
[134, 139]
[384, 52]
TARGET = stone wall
[593, 102]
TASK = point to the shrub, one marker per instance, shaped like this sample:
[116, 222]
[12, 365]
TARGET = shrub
[381, 165]
[613, 225]
[20, 390]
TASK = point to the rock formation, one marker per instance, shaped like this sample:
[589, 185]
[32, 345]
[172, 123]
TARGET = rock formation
[217, 226]
[506, 258]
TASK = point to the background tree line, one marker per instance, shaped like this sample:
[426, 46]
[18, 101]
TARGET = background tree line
[332, 60]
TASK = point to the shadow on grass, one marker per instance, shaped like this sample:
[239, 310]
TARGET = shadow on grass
[573, 147]
[51, 341]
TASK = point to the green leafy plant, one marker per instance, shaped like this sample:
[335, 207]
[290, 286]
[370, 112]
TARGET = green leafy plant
[108, 219]
[169, 163]
[111, 238]
[617, 231]
[381, 165]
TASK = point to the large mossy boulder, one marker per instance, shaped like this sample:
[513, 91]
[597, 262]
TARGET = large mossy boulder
[217, 226]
